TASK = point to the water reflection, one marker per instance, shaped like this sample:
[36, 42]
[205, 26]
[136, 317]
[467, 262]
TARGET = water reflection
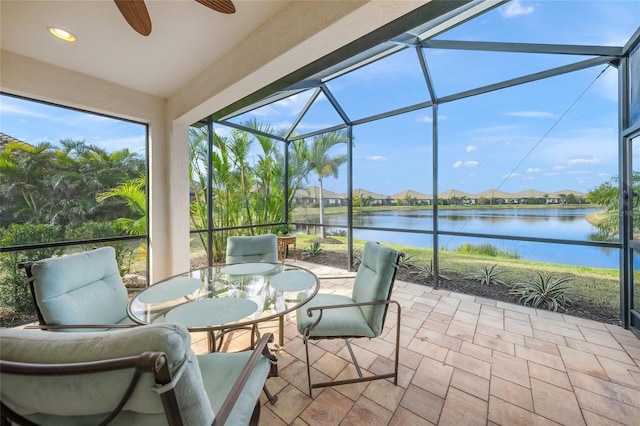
[522, 222]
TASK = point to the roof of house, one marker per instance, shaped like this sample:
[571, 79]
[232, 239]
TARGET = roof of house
[5, 139]
[410, 193]
[313, 192]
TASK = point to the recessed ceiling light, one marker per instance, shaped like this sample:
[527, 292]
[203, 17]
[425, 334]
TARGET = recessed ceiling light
[62, 34]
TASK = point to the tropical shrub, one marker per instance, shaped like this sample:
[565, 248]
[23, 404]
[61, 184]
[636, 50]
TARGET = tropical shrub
[14, 291]
[406, 261]
[427, 271]
[356, 258]
[313, 249]
[486, 275]
[544, 291]
[126, 251]
[486, 249]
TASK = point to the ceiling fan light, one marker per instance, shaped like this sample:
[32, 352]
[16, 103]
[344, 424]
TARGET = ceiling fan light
[62, 34]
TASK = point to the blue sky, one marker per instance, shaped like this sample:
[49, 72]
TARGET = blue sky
[560, 133]
[35, 122]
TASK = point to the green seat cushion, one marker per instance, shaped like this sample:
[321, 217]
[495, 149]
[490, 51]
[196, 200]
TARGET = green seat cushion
[82, 288]
[80, 399]
[260, 248]
[335, 322]
[221, 370]
[374, 281]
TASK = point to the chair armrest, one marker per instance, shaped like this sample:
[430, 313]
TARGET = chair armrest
[348, 305]
[78, 326]
[261, 349]
[342, 306]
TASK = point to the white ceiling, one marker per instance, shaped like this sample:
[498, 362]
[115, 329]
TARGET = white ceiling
[186, 38]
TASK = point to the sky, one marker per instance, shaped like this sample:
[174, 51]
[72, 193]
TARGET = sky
[551, 135]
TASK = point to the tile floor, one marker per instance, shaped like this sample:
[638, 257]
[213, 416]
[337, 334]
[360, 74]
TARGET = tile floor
[464, 360]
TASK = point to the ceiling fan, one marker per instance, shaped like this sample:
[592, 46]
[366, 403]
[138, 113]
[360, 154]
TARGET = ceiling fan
[136, 14]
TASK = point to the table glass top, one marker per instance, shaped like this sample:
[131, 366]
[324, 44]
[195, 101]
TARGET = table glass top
[223, 296]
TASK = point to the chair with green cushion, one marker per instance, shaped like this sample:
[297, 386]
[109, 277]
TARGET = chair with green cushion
[83, 290]
[247, 249]
[146, 375]
[259, 248]
[330, 316]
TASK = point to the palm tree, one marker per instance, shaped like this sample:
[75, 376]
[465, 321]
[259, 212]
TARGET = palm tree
[324, 165]
[135, 195]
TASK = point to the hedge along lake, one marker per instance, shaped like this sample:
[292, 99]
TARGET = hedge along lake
[555, 223]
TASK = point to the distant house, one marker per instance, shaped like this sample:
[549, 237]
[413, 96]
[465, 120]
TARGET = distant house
[365, 198]
[455, 197]
[5, 139]
[410, 197]
[566, 196]
[530, 196]
[494, 197]
[311, 197]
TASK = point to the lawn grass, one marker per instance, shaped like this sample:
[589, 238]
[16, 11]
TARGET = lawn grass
[598, 285]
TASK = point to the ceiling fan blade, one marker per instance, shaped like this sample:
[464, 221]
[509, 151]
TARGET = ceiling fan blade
[136, 14]
[222, 6]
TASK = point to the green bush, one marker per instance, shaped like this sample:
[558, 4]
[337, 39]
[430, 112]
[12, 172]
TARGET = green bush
[427, 271]
[486, 249]
[406, 261]
[487, 275]
[357, 258]
[544, 291]
[313, 249]
[125, 250]
[14, 291]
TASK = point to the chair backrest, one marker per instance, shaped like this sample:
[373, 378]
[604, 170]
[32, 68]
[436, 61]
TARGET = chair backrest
[374, 282]
[260, 248]
[90, 396]
[82, 288]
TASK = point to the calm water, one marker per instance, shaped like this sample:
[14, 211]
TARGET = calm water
[540, 223]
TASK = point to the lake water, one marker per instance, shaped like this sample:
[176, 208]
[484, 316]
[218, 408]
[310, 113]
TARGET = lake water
[540, 223]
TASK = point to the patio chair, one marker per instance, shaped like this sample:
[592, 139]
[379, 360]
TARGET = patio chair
[146, 375]
[246, 249]
[330, 316]
[79, 291]
[259, 248]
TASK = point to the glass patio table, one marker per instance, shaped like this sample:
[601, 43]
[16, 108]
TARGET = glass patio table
[222, 298]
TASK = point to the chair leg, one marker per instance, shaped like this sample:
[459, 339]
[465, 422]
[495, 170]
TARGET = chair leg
[281, 331]
[306, 349]
[361, 378]
[272, 398]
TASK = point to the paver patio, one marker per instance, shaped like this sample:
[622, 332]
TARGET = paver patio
[464, 360]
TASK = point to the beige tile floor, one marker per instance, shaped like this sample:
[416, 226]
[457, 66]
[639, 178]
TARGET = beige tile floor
[464, 360]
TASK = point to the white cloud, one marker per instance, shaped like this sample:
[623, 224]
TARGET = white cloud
[533, 170]
[429, 118]
[471, 148]
[377, 158]
[265, 111]
[14, 109]
[515, 8]
[132, 143]
[530, 114]
[510, 175]
[459, 164]
[580, 161]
